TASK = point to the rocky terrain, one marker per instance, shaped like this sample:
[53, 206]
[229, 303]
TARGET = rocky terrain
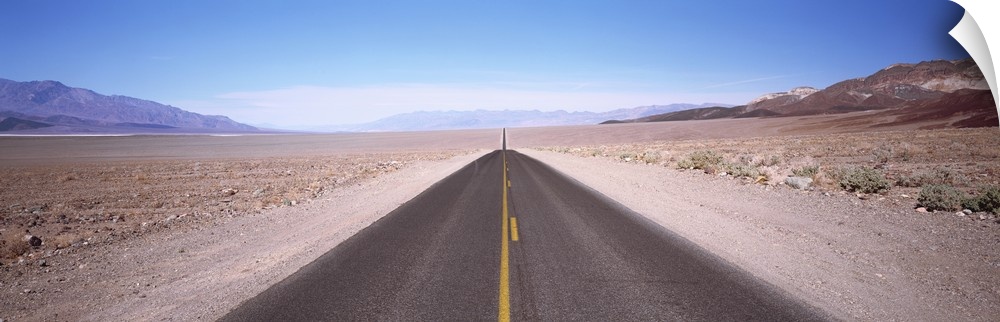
[71, 206]
[967, 159]
[949, 88]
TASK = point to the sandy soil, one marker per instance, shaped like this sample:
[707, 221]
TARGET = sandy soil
[963, 158]
[225, 217]
[874, 259]
[198, 270]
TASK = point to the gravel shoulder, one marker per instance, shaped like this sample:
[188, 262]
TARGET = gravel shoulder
[874, 259]
[202, 272]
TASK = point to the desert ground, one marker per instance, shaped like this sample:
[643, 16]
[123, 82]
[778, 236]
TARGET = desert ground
[187, 227]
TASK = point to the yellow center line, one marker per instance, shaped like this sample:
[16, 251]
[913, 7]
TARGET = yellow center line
[513, 229]
[504, 302]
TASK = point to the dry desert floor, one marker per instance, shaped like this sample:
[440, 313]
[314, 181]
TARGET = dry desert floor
[187, 227]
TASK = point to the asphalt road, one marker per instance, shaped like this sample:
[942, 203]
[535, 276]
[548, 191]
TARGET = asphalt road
[452, 254]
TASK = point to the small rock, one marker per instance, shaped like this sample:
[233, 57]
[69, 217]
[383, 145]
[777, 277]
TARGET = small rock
[800, 183]
[722, 174]
[229, 192]
[43, 263]
[960, 214]
[921, 209]
[904, 196]
[967, 211]
[34, 241]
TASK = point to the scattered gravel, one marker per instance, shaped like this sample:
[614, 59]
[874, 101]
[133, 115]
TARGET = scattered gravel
[860, 259]
[195, 266]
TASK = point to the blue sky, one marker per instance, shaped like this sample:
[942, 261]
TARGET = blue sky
[307, 63]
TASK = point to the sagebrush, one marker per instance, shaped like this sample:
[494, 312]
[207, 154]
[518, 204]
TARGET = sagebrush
[940, 197]
[864, 180]
[702, 160]
[988, 200]
[809, 171]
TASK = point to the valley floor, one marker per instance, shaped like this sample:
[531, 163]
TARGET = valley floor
[220, 227]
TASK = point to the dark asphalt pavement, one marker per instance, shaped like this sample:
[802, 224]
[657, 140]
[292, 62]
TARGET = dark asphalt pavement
[579, 256]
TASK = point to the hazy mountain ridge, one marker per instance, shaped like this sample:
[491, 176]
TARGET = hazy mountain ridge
[449, 120]
[952, 89]
[948, 88]
[69, 109]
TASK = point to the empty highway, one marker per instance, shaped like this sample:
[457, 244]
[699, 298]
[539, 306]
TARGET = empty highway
[518, 242]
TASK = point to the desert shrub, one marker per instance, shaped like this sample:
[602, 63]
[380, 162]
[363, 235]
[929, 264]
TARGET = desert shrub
[772, 161]
[759, 161]
[704, 160]
[65, 240]
[864, 180]
[915, 180]
[651, 157]
[67, 177]
[988, 200]
[905, 151]
[12, 246]
[808, 171]
[743, 170]
[628, 156]
[940, 197]
[882, 154]
[943, 176]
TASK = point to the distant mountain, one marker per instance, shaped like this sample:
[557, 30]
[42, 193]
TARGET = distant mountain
[68, 109]
[948, 88]
[14, 124]
[449, 120]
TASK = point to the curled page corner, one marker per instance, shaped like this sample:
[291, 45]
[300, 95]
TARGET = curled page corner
[970, 36]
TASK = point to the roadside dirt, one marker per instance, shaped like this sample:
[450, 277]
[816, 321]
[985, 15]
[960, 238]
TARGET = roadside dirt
[226, 217]
[188, 240]
[860, 257]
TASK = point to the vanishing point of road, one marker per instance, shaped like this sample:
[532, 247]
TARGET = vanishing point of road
[510, 238]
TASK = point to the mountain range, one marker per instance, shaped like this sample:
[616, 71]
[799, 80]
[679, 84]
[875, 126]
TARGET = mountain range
[956, 90]
[51, 107]
[477, 119]
[939, 88]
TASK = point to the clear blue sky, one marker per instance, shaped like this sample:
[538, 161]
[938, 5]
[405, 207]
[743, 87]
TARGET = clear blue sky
[300, 63]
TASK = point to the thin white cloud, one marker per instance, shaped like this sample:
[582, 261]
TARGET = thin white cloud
[746, 81]
[318, 105]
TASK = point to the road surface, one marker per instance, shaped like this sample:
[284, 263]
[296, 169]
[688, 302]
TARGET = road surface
[555, 250]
